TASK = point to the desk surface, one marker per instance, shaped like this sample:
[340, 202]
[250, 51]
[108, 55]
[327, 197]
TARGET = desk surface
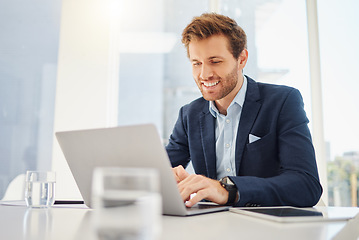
[74, 222]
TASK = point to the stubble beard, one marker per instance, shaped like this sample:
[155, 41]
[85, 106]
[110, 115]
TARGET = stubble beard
[228, 84]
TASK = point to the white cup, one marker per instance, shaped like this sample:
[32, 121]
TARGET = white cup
[127, 203]
[40, 189]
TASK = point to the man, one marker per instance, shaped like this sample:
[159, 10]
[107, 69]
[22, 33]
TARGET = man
[249, 142]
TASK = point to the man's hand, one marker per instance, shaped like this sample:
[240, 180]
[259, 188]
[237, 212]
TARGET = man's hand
[205, 188]
[180, 173]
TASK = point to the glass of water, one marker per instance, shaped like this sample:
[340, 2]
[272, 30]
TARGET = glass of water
[127, 203]
[40, 189]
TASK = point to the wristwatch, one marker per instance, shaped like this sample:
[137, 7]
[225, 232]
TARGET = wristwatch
[227, 184]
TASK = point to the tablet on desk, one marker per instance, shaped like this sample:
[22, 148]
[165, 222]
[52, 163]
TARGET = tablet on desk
[292, 214]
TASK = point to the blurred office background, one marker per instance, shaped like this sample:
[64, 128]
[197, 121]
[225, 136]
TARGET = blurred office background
[76, 64]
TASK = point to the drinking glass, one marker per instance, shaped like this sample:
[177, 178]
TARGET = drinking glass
[40, 189]
[127, 204]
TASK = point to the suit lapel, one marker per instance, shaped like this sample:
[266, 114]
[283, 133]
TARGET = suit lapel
[207, 129]
[248, 116]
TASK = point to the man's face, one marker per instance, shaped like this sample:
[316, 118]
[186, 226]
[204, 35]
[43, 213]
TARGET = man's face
[215, 70]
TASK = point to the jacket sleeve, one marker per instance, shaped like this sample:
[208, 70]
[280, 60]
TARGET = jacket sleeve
[177, 148]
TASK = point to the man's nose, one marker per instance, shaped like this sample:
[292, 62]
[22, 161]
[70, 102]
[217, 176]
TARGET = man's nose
[206, 72]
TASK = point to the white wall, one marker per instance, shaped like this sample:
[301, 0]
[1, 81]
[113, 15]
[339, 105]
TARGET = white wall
[84, 79]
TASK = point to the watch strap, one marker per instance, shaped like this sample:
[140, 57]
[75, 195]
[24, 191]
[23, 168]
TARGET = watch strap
[232, 194]
[231, 188]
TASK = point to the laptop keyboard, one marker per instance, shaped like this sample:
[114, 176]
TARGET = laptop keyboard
[203, 206]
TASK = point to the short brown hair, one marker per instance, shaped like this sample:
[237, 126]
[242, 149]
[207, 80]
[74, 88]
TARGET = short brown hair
[209, 24]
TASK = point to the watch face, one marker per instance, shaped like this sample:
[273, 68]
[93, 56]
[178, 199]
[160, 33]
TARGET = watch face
[226, 181]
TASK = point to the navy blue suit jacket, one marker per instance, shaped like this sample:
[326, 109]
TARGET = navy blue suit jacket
[278, 169]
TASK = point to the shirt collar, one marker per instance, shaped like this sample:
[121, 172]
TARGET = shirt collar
[238, 99]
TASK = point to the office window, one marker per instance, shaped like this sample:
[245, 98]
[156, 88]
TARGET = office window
[339, 57]
[154, 74]
[28, 62]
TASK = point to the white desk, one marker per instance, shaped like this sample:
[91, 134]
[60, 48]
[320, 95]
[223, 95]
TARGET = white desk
[70, 223]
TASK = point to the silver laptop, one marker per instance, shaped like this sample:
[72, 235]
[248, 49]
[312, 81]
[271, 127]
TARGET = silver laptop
[127, 146]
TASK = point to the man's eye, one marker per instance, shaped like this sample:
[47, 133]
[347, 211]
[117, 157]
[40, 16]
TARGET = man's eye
[196, 64]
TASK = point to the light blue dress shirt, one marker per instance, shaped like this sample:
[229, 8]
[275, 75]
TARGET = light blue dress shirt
[226, 133]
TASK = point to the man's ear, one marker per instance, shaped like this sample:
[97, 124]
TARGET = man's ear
[243, 57]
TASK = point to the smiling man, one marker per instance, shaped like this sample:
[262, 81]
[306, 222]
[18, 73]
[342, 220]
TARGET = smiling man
[248, 142]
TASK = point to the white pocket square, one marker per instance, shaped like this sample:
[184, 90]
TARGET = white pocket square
[253, 138]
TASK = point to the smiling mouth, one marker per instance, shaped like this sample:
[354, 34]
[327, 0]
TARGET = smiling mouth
[210, 84]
